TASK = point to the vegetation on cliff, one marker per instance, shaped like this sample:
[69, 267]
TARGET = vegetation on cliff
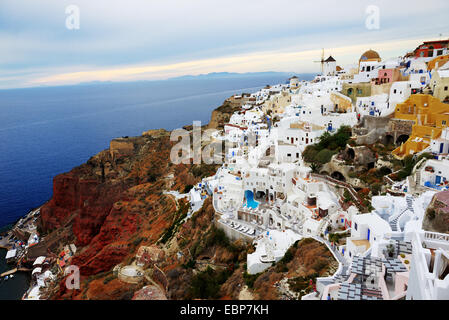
[329, 144]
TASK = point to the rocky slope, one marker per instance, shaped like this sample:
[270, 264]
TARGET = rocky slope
[116, 203]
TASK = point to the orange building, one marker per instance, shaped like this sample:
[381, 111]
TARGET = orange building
[430, 116]
[437, 62]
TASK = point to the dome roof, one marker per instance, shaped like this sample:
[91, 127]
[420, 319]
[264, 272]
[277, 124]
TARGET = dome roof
[370, 54]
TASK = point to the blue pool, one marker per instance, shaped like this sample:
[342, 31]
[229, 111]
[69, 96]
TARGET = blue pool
[250, 202]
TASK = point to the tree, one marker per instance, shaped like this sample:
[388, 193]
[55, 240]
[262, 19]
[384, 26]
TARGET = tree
[315, 166]
[324, 156]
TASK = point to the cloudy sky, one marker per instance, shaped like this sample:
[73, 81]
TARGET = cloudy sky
[122, 40]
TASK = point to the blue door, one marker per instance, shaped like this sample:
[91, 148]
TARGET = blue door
[369, 231]
[441, 147]
[437, 180]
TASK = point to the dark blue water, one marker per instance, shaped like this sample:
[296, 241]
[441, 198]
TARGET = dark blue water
[47, 131]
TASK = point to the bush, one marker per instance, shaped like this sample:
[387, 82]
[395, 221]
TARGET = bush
[375, 188]
[108, 279]
[383, 171]
[250, 278]
[189, 264]
[217, 237]
[206, 284]
[324, 156]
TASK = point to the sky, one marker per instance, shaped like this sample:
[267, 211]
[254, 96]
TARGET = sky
[133, 40]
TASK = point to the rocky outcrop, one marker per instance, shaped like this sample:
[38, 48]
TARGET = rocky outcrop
[222, 114]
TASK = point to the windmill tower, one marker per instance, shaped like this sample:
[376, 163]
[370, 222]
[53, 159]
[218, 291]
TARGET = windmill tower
[321, 61]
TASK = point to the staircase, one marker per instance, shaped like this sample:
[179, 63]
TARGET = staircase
[394, 222]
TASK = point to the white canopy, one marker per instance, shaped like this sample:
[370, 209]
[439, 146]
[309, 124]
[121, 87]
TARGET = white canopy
[11, 253]
[37, 270]
[39, 260]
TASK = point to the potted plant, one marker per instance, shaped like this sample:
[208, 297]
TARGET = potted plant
[390, 250]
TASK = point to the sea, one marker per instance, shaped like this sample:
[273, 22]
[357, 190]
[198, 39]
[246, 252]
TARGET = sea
[46, 131]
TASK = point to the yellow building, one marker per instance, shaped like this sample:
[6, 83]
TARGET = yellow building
[430, 116]
[341, 102]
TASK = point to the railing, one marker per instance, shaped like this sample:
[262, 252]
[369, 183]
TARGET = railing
[347, 186]
[435, 236]
[420, 262]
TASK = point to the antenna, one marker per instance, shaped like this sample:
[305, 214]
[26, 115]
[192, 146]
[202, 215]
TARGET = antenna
[322, 61]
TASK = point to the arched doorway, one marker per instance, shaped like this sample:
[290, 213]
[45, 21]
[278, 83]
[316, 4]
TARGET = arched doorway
[402, 139]
[260, 195]
[338, 176]
[389, 139]
[351, 153]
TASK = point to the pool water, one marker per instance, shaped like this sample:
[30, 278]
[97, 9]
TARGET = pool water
[250, 202]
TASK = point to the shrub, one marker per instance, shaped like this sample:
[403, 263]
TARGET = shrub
[206, 284]
[324, 156]
[217, 237]
[250, 278]
[375, 188]
[108, 279]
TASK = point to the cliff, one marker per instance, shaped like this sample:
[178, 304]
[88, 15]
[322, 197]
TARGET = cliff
[222, 114]
[115, 204]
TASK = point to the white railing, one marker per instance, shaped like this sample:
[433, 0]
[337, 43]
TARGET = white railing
[419, 261]
[435, 236]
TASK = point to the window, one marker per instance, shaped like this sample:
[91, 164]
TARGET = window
[355, 226]
[445, 88]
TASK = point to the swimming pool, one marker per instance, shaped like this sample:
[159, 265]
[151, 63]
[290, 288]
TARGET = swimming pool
[250, 202]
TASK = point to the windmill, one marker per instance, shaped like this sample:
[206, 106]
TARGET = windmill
[322, 62]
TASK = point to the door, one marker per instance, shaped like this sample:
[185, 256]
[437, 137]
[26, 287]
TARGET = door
[437, 180]
[369, 231]
[441, 147]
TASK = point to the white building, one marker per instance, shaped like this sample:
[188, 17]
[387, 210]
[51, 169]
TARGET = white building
[270, 249]
[429, 271]
[330, 67]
